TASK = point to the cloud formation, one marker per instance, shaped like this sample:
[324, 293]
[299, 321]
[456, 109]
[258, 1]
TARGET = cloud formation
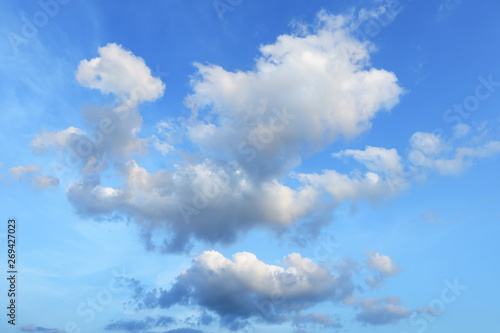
[304, 93]
[244, 288]
[382, 266]
[252, 127]
[29, 173]
[140, 325]
[381, 311]
[121, 73]
[33, 328]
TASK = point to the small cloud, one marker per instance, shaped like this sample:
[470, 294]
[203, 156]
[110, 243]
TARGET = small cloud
[42, 182]
[431, 217]
[447, 8]
[381, 311]
[26, 174]
[18, 172]
[140, 325]
[33, 328]
[383, 266]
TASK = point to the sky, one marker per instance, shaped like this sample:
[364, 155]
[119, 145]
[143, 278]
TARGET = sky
[251, 166]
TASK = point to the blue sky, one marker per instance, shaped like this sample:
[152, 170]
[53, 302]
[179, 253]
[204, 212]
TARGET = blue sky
[251, 166]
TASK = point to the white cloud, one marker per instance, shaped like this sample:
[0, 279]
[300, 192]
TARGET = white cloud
[375, 159]
[27, 173]
[356, 185]
[120, 72]
[430, 152]
[304, 93]
[244, 287]
[383, 267]
[41, 182]
[382, 264]
[461, 130]
[18, 172]
[381, 311]
[194, 200]
[251, 128]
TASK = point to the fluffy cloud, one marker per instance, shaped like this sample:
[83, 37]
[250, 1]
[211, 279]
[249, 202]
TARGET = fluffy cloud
[251, 128]
[375, 159]
[244, 287]
[113, 130]
[59, 139]
[431, 152]
[121, 73]
[388, 173]
[381, 311]
[210, 201]
[382, 266]
[304, 93]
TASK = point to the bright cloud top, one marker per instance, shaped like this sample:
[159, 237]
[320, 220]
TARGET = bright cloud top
[120, 72]
[244, 288]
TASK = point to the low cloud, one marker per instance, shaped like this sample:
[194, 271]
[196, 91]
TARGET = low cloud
[140, 325]
[28, 173]
[243, 288]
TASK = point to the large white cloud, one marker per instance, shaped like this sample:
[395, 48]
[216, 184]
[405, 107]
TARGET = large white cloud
[243, 287]
[250, 127]
[209, 201]
[305, 92]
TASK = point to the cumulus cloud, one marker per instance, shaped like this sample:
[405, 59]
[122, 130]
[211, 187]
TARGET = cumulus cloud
[121, 73]
[251, 128]
[44, 141]
[383, 267]
[387, 172]
[304, 93]
[248, 130]
[375, 159]
[243, 288]
[112, 130]
[382, 264]
[381, 311]
[431, 152]
[209, 201]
